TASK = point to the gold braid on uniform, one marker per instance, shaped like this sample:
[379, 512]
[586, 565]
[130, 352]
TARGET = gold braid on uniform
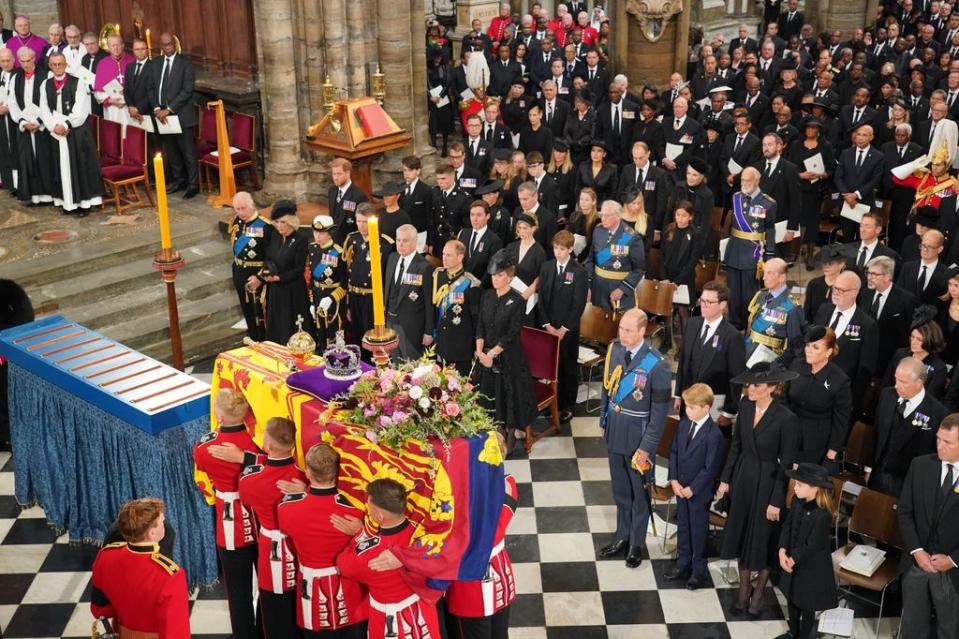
[439, 293]
[611, 382]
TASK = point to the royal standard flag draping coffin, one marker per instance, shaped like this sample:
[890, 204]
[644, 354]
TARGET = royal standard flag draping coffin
[455, 495]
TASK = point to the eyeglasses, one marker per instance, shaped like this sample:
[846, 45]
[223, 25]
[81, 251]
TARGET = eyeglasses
[455, 156]
[873, 274]
[704, 302]
[836, 289]
[928, 247]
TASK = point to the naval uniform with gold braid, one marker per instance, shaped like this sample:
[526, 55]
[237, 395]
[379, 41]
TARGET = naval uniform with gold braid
[617, 260]
[360, 283]
[636, 396]
[249, 240]
[776, 322]
[752, 240]
[457, 298]
[328, 278]
[142, 590]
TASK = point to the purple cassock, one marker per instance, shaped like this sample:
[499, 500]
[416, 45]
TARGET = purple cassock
[109, 68]
[35, 42]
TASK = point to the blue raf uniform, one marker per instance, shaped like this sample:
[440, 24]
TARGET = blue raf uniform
[775, 321]
[695, 463]
[752, 241]
[617, 260]
[636, 396]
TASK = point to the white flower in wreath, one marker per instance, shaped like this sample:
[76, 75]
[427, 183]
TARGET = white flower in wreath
[416, 392]
[424, 402]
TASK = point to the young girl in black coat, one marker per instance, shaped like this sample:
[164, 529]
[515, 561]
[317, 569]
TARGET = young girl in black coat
[804, 551]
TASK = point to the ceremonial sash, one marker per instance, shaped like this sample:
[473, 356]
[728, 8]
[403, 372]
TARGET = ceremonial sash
[924, 192]
[626, 385]
[605, 256]
[244, 239]
[740, 216]
[444, 303]
[317, 271]
[759, 322]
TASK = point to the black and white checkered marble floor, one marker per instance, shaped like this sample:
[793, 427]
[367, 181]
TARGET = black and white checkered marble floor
[566, 515]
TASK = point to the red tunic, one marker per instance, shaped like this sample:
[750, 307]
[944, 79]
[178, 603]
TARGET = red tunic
[143, 590]
[275, 563]
[497, 28]
[498, 589]
[235, 525]
[395, 610]
[325, 601]
[589, 36]
[928, 191]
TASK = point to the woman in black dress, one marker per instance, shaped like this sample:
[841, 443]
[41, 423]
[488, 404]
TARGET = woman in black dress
[650, 130]
[948, 319]
[763, 449]
[562, 171]
[813, 185]
[536, 136]
[819, 289]
[527, 256]
[503, 171]
[579, 127]
[502, 370]
[286, 294]
[682, 249]
[821, 397]
[925, 343]
[438, 78]
[597, 174]
[515, 106]
[583, 220]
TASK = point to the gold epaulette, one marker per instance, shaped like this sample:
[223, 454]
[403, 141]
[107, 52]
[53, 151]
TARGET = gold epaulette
[464, 104]
[474, 281]
[165, 562]
[387, 239]
[766, 195]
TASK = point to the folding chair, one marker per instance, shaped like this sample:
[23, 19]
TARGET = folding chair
[873, 516]
[663, 493]
[542, 351]
[705, 272]
[656, 299]
[859, 453]
[653, 259]
[597, 328]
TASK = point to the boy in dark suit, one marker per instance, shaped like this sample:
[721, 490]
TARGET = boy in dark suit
[562, 298]
[695, 459]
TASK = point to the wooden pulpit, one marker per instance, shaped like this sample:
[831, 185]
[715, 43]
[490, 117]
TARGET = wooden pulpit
[359, 130]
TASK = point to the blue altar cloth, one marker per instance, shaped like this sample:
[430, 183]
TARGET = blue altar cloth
[81, 464]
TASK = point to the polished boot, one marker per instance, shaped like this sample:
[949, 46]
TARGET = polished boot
[634, 557]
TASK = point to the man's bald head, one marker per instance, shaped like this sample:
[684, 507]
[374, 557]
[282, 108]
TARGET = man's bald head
[776, 264]
[636, 317]
[848, 280]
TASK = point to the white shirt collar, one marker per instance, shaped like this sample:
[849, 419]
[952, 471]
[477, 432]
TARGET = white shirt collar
[712, 325]
[412, 185]
[913, 403]
[930, 267]
[479, 232]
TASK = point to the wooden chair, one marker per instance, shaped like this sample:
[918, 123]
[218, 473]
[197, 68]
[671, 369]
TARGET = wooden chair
[860, 447]
[122, 179]
[656, 299]
[542, 351]
[206, 131]
[705, 272]
[653, 260]
[110, 143]
[243, 138]
[597, 328]
[870, 397]
[434, 261]
[874, 516]
[658, 493]
[837, 485]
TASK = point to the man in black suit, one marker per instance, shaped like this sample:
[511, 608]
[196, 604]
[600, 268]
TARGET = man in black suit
[901, 198]
[684, 138]
[478, 151]
[528, 195]
[614, 124]
[856, 333]
[713, 352]
[929, 525]
[851, 115]
[480, 242]
[563, 82]
[572, 65]
[494, 131]
[907, 418]
[342, 198]
[476, 33]
[926, 277]
[890, 305]
[416, 198]
[407, 291]
[780, 180]
[171, 94]
[503, 72]
[791, 21]
[748, 44]
[136, 85]
[563, 285]
[782, 126]
[546, 187]
[555, 111]
[755, 102]
[650, 180]
[769, 66]
[858, 175]
[859, 253]
[743, 148]
[597, 78]
[823, 90]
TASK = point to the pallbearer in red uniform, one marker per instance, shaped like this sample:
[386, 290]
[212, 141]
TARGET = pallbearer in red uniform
[260, 490]
[480, 609]
[235, 527]
[395, 610]
[141, 590]
[320, 523]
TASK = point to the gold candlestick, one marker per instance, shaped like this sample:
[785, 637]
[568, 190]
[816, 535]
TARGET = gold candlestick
[379, 85]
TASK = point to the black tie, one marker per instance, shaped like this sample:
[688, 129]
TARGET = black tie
[835, 320]
[629, 357]
[616, 119]
[921, 282]
[339, 196]
[902, 153]
[859, 160]
[136, 73]
[901, 408]
[949, 480]
[705, 334]
[473, 243]
[489, 132]
[769, 168]
[861, 262]
[569, 68]
[691, 433]
[739, 143]
[549, 113]
[856, 116]
[399, 271]
[875, 305]
[592, 75]
[473, 149]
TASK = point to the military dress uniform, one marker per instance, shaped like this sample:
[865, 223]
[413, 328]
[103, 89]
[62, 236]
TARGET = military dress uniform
[456, 296]
[249, 240]
[343, 203]
[635, 400]
[142, 590]
[776, 322]
[617, 260]
[360, 282]
[328, 278]
[451, 210]
[752, 240]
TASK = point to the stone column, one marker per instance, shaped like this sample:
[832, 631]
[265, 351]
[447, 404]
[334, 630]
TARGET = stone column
[42, 14]
[645, 60]
[285, 169]
[469, 10]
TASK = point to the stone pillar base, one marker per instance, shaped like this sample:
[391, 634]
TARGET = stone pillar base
[469, 10]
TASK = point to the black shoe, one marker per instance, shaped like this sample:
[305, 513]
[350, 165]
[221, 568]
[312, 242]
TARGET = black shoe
[173, 188]
[612, 549]
[677, 574]
[190, 193]
[565, 416]
[737, 609]
[82, 212]
[697, 581]
[634, 557]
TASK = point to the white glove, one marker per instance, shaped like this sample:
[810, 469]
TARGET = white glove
[325, 304]
[312, 311]
[905, 170]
